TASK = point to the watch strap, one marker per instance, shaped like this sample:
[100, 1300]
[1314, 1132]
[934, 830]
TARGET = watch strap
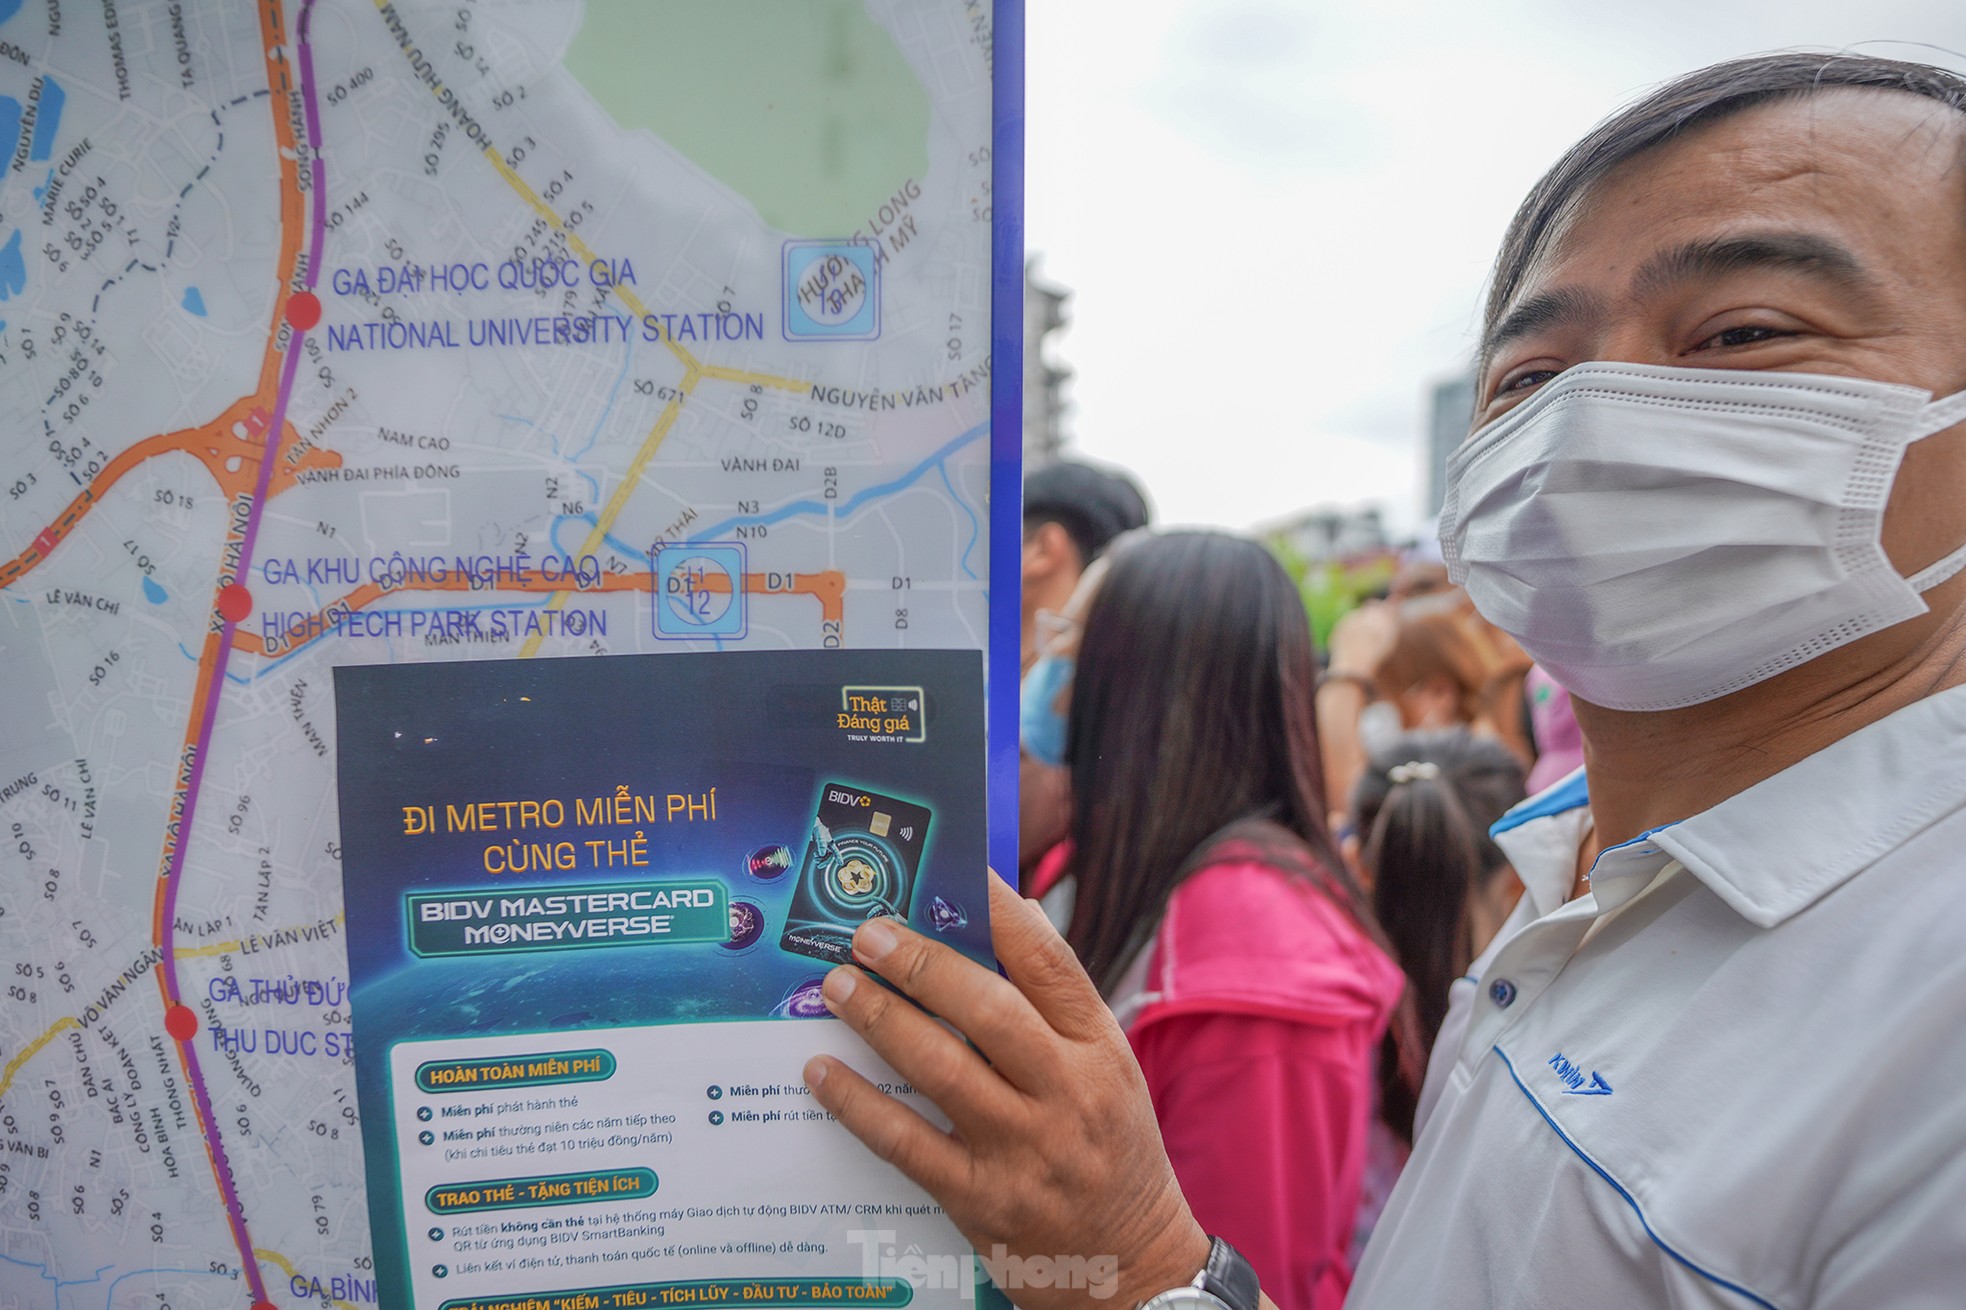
[1365, 685]
[1230, 1277]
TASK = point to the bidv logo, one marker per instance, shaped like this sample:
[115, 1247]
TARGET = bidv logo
[1576, 1081]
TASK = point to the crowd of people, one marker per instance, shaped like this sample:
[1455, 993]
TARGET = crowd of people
[1582, 925]
[1274, 874]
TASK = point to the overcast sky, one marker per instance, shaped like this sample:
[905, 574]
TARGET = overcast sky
[1276, 216]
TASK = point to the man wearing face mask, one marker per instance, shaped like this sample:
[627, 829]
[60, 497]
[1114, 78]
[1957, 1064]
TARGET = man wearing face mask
[1072, 514]
[1044, 792]
[1717, 488]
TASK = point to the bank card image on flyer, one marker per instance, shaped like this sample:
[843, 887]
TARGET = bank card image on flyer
[581, 997]
[860, 864]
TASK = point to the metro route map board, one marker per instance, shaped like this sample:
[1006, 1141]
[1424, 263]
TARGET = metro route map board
[352, 332]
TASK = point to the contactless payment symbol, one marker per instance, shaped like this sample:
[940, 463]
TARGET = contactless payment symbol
[699, 591]
[832, 291]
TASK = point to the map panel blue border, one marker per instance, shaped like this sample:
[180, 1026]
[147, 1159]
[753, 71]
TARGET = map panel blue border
[1006, 428]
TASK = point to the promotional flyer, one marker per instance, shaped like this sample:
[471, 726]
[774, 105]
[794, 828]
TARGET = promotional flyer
[590, 904]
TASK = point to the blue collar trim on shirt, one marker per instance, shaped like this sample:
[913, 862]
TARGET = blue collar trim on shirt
[1631, 1201]
[1777, 848]
[1640, 843]
[1569, 794]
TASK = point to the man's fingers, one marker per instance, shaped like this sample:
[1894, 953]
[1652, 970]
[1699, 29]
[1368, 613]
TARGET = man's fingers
[891, 1130]
[1037, 959]
[974, 1096]
[983, 1007]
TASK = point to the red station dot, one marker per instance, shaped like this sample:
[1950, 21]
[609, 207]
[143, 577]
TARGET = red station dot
[181, 1022]
[234, 603]
[303, 310]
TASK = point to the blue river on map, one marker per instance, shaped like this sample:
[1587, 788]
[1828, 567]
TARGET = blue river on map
[47, 120]
[13, 269]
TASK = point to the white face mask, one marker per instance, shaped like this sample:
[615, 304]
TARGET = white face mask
[1658, 537]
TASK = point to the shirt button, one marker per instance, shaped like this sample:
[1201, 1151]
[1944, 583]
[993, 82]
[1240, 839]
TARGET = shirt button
[1502, 992]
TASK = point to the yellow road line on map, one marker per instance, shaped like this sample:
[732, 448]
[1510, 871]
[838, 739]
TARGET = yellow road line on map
[581, 248]
[627, 297]
[228, 948]
[605, 520]
[27, 1052]
[755, 379]
[694, 371]
[286, 1267]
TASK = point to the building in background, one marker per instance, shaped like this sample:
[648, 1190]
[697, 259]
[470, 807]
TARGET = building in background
[1453, 406]
[1045, 306]
[1319, 536]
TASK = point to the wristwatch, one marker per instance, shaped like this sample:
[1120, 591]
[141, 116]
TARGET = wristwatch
[1226, 1282]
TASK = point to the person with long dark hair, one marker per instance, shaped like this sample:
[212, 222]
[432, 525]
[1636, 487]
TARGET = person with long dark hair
[1211, 906]
[1440, 886]
[1441, 889]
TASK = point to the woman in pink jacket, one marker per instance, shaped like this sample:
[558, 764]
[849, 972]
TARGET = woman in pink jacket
[1206, 898]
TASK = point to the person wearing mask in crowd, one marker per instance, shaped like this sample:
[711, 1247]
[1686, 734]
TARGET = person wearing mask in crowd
[1044, 796]
[1072, 512]
[1717, 488]
[1203, 893]
[1440, 890]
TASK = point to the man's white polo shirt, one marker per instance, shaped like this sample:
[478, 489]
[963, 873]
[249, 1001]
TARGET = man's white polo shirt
[1733, 1074]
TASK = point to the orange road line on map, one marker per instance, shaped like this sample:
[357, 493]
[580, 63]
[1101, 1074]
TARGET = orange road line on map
[287, 1268]
[213, 444]
[28, 1051]
[273, 40]
[292, 228]
[828, 588]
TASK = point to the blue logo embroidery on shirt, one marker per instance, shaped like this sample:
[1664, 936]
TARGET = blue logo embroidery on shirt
[1575, 1078]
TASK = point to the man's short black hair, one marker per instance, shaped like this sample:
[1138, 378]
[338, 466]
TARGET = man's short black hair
[1092, 505]
[1702, 97]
